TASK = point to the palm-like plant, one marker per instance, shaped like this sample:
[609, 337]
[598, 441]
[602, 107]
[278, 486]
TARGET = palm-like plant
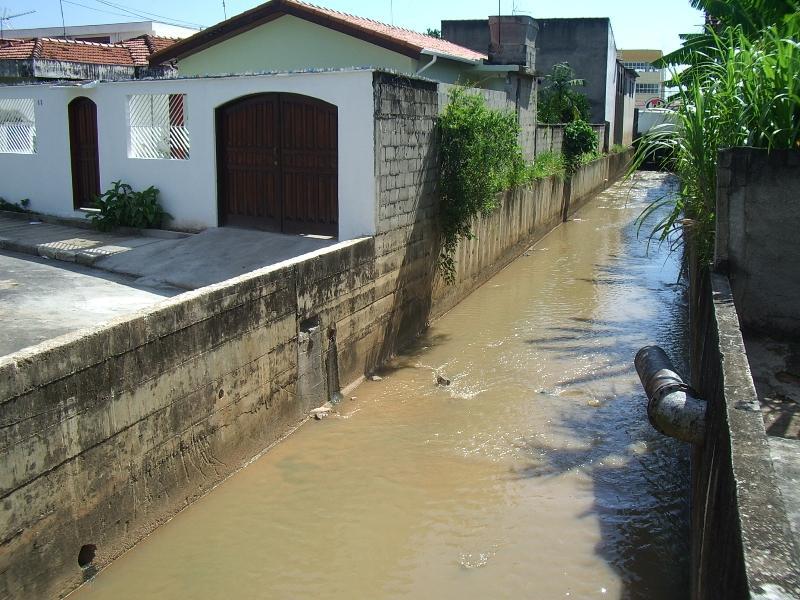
[558, 101]
[741, 89]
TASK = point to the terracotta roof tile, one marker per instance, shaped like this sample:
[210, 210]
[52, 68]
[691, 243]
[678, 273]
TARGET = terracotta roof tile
[84, 52]
[133, 52]
[143, 46]
[17, 49]
[420, 40]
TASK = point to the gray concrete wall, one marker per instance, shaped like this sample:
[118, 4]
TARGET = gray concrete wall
[758, 219]
[742, 545]
[107, 433]
[584, 44]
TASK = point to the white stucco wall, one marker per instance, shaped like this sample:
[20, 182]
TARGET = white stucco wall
[611, 83]
[188, 187]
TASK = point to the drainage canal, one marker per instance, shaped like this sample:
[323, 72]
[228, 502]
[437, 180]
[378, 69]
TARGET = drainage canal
[534, 474]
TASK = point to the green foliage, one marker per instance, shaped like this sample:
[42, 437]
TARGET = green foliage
[579, 139]
[436, 33]
[587, 157]
[479, 156]
[546, 164]
[558, 100]
[21, 206]
[619, 149]
[742, 89]
[121, 206]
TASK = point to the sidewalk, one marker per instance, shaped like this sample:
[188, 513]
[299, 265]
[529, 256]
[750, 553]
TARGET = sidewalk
[185, 261]
[26, 234]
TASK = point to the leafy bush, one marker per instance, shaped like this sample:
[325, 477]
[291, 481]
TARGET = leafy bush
[579, 138]
[121, 206]
[479, 156]
[619, 149]
[21, 206]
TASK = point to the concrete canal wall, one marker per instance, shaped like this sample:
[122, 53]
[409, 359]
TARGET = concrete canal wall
[107, 433]
[742, 542]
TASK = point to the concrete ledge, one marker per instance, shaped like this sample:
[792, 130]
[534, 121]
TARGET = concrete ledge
[743, 545]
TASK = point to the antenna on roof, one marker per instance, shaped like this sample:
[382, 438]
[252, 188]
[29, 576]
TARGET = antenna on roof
[391, 12]
[7, 17]
[224, 10]
[63, 25]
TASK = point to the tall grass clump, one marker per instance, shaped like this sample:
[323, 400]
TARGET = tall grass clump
[741, 89]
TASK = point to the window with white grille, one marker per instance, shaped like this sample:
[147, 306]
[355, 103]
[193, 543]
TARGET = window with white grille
[158, 126]
[17, 126]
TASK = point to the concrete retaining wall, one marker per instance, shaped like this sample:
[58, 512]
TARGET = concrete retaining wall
[742, 545]
[757, 212]
[107, 433]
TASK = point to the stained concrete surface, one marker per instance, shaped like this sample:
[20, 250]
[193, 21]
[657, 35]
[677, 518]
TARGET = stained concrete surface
[157, 258]
[41, 299]
[784, 458]
[211, 256]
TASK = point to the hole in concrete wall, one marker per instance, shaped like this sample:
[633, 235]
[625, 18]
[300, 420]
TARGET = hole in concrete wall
[221, 393]
[86, 555]
[310, 323]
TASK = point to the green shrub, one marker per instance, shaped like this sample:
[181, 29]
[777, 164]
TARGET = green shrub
[579, 138]
[21, 206]
[479, 156]
[619, 149]
[121, 206]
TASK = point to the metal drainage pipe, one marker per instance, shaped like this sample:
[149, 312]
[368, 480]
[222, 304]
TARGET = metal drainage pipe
[672, 406]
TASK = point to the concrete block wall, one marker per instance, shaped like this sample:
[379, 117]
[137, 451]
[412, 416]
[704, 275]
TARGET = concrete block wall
[108, 432]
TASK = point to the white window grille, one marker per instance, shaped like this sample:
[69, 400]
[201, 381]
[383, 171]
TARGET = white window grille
[17, 126]
[158, 126]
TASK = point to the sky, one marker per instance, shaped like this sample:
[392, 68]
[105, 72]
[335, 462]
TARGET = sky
[636, 24]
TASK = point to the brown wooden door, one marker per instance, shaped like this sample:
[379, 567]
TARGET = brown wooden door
[277, 164]
[84, 152]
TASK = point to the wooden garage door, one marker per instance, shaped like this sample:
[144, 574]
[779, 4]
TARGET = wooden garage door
[84, 152]
[277, 164]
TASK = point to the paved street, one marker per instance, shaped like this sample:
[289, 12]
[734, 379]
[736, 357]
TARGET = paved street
[42, 298]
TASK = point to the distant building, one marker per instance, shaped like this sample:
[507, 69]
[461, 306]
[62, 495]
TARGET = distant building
[650, 84]
[43, 59]
[588, 46]
[103, 34]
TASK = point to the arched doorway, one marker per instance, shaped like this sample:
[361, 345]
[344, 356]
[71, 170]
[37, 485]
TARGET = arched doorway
[84, 152]
[277, 164]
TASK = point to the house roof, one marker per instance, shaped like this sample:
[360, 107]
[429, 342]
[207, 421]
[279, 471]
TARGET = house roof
[397, 39]
[134, 52]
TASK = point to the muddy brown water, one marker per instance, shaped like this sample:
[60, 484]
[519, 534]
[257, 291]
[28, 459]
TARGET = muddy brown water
[535, 474]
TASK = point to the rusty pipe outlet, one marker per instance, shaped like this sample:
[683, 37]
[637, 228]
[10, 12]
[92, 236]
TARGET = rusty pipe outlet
[672, 406]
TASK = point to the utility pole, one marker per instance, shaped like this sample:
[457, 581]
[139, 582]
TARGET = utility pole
[7, 17]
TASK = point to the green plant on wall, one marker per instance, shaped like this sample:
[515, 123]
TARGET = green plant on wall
[479, 156]
[580, 140]
[121, 206]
